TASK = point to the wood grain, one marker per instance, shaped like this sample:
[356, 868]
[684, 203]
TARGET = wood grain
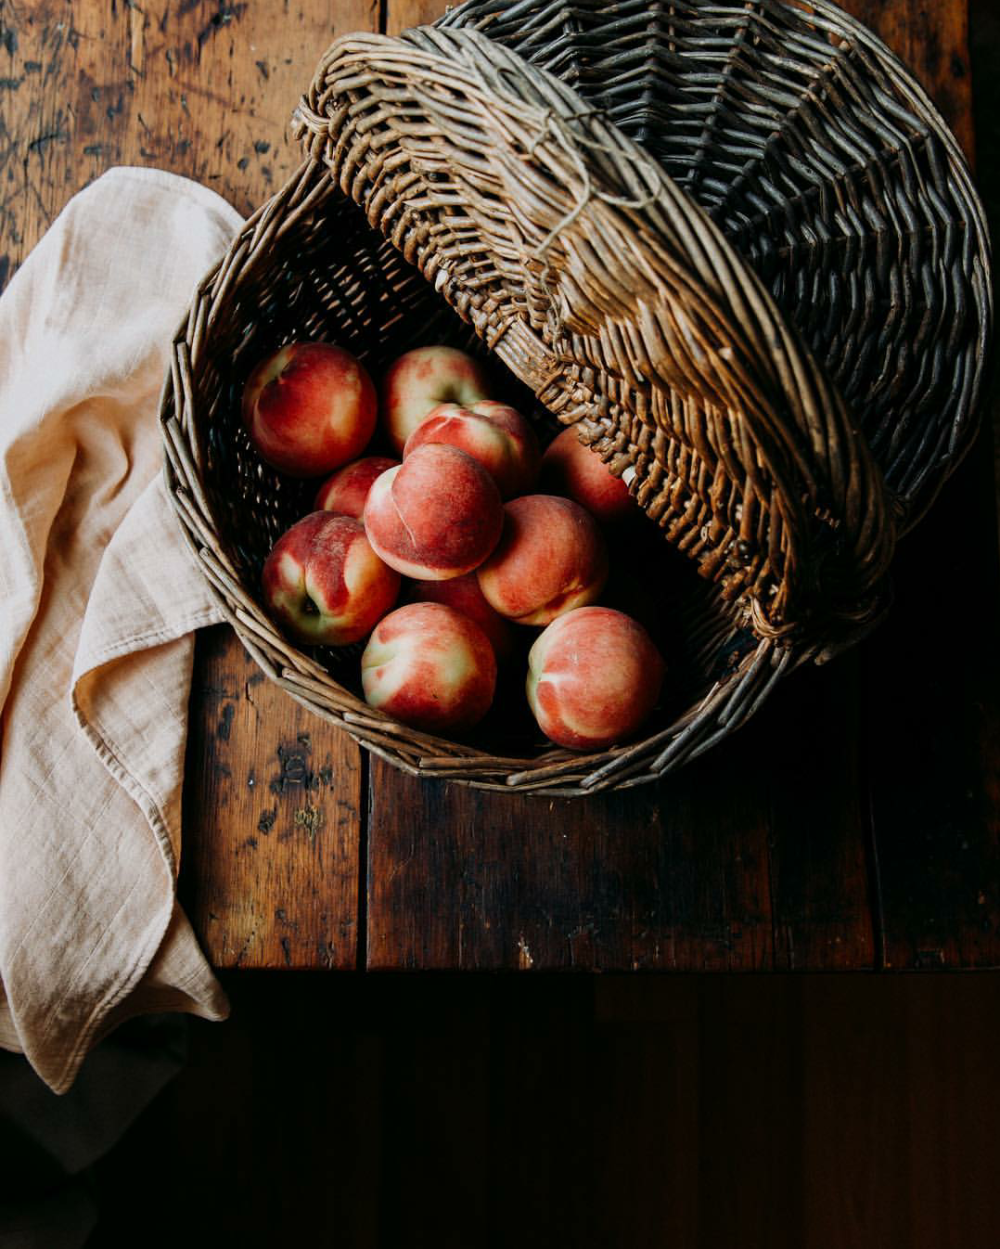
[717, 868]
[400, 14]
[613, 1112]
[933, 738]
[750, 1056]
[665, 876]
[272, 811]
[439, 1098]
[817, 853]
[897, 1112]
[206, 90]
[931, 675]
[649, 1112]
[272, 1135]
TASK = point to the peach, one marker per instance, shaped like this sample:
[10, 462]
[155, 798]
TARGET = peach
[345, 492]
[464, 594]
[309, 408]
[323, 582]
[572, 469]
[420, 380]
[429, 666]
[594, 676]
[550, 558]
[493, 433]
[436, 516]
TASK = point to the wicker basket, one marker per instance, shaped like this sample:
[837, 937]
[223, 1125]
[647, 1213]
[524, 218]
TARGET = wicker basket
[451, 183]
[827, 167]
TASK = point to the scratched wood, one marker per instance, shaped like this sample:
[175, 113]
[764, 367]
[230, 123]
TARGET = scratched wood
[667, 876]
[270, 862]
[272, 812]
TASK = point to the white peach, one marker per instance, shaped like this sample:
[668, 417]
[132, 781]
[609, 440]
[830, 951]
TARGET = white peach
[464, 594]
[550, 558]
[323, 582]
[346, 491]
[572, 469]
[420, 380]
[594, 676]
[495, 434]
[429, 666]
[437, 516]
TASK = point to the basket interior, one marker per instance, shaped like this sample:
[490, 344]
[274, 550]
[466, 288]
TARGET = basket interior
[330, 276]
[827, 168]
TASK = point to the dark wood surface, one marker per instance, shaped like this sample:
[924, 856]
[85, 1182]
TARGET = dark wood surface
[852, 824]
[613, 1112]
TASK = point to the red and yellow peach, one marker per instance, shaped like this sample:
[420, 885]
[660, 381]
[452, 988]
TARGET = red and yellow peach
[437, 516]
[572, 469]
[464, 594]
[324, 584]
[594, 676]
[493, 433]
[309, 408]
[550, 558]
[420, 380]
[346, 491]
[430, 667]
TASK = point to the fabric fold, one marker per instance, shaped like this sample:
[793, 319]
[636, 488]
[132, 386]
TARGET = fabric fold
[99, 598]
[132, 670]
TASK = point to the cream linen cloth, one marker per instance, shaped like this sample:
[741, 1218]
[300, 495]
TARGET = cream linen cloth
[98, 600]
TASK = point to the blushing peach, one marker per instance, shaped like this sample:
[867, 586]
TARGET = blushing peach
[572, 469]
[430, 667]
[464, 594]
[309, 408]
[594, 676]
[345, 492]
[436, 516]
[493, 433]
[550, 558]
[323, 582]
[420, 380]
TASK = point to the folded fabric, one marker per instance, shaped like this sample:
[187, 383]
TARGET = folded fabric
[99, 597]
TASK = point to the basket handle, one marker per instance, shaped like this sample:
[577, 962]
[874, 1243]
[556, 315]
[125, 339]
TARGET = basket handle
[613, 295]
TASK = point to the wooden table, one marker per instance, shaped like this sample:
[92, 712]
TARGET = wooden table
[852, 824]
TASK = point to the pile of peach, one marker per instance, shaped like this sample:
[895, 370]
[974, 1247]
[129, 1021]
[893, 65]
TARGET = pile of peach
[451, 511]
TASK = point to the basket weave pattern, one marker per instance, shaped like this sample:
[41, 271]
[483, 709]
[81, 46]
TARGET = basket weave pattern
[444, 171]
[609, 292]
[827, 167]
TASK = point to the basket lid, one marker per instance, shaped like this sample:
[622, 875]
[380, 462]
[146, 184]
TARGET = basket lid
[606, 288]
[825, 164]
